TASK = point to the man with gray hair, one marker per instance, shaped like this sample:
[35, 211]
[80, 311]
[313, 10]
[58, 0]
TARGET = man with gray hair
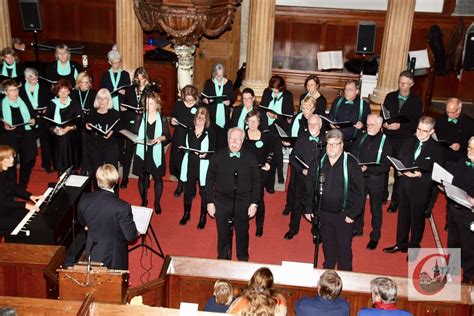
[233, 191]
[384, 297]
[372, 148]
[109, 221]
[338, 177]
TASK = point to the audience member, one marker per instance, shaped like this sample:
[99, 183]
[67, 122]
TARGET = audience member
[384, 296]
[222, 298]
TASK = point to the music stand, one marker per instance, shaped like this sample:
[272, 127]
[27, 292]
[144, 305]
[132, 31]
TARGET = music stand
[143, 243]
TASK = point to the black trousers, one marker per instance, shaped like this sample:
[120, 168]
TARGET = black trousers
[372, 185]
[460, 236]
[411, 219]
[260, 215]
[190, 192]
[297, 192]
[46, 142]
[336, 236]
[397, 144]
[241, 226]
[277, 161]
[290, 193]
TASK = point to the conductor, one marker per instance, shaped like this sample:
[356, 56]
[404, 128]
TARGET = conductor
[233, 191]
[109, 221]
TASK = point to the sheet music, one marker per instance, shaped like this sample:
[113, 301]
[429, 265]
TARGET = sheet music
[298, 271]
[458, 195]
[76, 181]
[141, 217]
[399, 165]
[281, 131]
[441, 175]
[188, 309]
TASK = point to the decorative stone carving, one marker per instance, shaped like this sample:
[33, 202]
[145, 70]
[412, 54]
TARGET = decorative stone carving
[185, 64]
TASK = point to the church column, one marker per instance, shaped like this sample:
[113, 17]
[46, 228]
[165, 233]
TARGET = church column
[5, 31]
[129, 36]
[395, 45]
[261, 31]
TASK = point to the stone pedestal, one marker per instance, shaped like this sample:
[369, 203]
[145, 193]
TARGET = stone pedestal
[129, 36]
[5, 31]
[260, 45]
[395, 45]
[185, 65]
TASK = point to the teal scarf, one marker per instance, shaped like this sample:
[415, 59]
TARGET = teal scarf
[59, 106]
[243, 115]
[220, 111]
[296, 125]
[115, 82]
[7, 106]
[12, 67]
[275, 105]
[33, 97]
[65, 70]
[83, 102]
[203, 163]
[157, 148]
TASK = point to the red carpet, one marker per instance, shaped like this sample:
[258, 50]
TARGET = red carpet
[271, 248]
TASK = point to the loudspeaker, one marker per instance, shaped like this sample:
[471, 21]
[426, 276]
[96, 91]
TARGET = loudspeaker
[30, 15]
[366, 37]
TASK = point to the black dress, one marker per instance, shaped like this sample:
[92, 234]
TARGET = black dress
[67, 150]
[184, 115]
[228, 90]
[11, 210]
[18, 77]
[102, 150]
[106, 82]
[53, 75]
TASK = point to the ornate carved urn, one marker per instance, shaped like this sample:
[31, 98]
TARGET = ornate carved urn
[185, 21]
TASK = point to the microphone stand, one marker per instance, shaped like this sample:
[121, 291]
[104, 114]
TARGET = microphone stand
[230, 220]
[317, 222]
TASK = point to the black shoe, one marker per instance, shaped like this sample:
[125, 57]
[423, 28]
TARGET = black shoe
[395, 249]
[357, 233]
[392, 208]
[185, 218]
[259, 232]
[372, 244]
[286, 212]
[202, 221]
[124, 183]
[427, 214]
[289, 235]
[157, 209]
[270, 190]
[281, 180]
[48, 170]
[144, 203]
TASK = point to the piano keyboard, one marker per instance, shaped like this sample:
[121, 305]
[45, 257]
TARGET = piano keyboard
[30, 215]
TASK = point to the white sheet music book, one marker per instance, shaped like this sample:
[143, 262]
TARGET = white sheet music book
[188, 309]
[441, 175]
[330, 60]
[76, 181]
[141, 217]
[422, 60]
[458, 195]
[300, 271]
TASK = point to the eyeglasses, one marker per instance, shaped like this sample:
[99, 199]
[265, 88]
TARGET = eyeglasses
[334, 144]
[422, 130]
[405, 83]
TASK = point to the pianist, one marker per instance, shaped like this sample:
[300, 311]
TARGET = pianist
[109, 221]
[11, 210]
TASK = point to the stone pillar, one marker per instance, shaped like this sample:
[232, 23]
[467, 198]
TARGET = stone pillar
[260, 45]
[129, 36]
[185, 65]
[395, 45]
[5, 31]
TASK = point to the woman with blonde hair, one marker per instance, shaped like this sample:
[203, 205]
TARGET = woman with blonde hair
[150, 160]
[102, 122]
[63, 68]
[12, 211]
[259, 298]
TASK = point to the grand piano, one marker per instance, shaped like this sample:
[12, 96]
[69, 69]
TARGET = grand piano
[55, 223]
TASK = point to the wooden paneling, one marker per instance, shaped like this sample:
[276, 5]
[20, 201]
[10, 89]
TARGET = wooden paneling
[165, 75]
[86, 20]
[301, 32]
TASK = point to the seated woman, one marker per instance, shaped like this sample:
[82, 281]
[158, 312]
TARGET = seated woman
[222, 298]
[11, 210]
[259, 298]
[384, 297]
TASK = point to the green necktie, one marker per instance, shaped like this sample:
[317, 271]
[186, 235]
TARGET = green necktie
[452, 120]
[402, 98]
[313, 139]
[349, 102]
[469, 164]
[236, 155]
[417, 151]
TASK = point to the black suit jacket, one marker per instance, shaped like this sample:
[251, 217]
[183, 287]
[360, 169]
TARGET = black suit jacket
[412, 108]
[110, 223]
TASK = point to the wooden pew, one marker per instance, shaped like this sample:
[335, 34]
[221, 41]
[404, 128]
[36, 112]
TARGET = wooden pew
[30, 270]
[191, 280]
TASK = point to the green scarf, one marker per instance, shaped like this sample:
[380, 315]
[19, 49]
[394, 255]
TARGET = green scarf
[275, 105]
[220, 111]
[59, 106]
[243, 115]
[157, 148]
[7, 106]
[12, 67]
[296, 125]
[115, 82]
[203, 163]
[33, 97]
[65, 70]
